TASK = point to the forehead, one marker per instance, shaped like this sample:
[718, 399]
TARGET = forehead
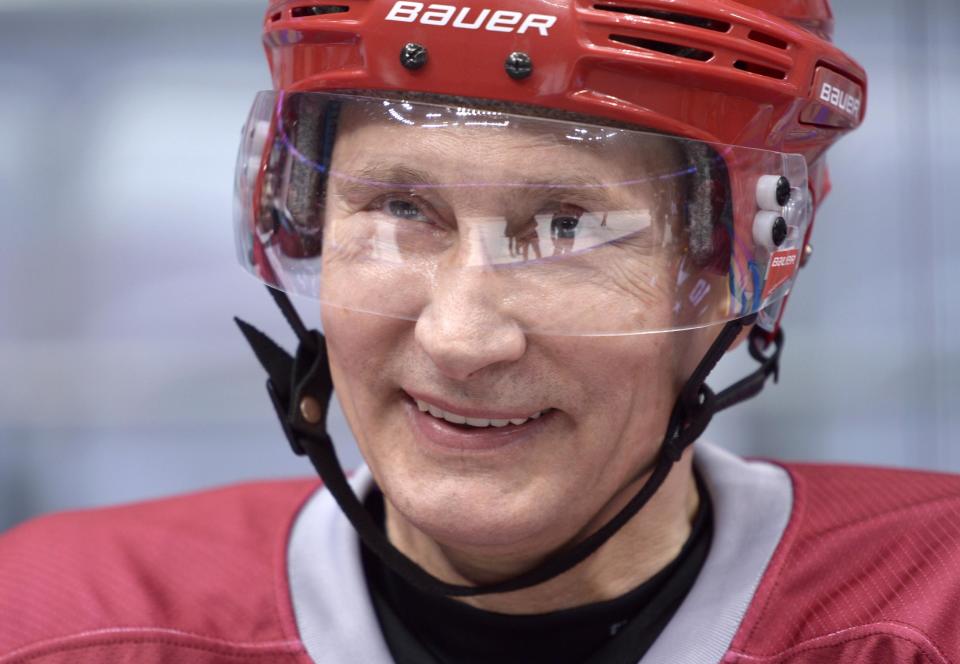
[452, 141]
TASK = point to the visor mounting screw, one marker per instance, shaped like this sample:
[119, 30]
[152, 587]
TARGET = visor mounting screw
[807, 254]
[518, 65]
[770, 230]
[413, 56]
[310, 410]
[773, 192]
[779, 231]
[783, 191]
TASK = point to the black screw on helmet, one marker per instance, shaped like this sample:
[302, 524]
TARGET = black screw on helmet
[518, 65]
[413, 56]
[779, 231]
[783, 191]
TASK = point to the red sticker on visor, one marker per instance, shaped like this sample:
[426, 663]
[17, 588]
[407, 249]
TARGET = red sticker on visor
[781, 268]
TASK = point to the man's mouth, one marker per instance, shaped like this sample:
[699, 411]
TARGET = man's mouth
[479, 422]
[473, 427]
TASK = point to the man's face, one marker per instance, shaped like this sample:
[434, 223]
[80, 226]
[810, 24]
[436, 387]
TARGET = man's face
[490, 251]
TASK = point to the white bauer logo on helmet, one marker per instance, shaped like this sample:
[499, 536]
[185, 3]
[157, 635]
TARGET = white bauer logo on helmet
[466, 18]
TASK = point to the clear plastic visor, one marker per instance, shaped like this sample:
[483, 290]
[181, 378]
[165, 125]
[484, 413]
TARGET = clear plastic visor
[394, 207]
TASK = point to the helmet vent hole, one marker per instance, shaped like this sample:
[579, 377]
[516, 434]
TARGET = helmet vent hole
[318, 10]
[761, 70]
[686, 19]
[664, 47]
[769, 40]
[276, 17]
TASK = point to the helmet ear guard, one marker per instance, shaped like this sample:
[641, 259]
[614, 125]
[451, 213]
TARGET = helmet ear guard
[290, 211]
[709, 208]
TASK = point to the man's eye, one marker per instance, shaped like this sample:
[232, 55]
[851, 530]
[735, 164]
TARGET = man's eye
[405, 209]
[563, 224]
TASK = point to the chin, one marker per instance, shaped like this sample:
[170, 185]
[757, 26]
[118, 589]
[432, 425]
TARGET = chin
[474, 513]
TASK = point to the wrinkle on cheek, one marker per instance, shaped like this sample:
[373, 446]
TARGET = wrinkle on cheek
[635, 293]
[641, 280]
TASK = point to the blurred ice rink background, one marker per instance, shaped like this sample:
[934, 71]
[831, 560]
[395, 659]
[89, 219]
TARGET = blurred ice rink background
[122, 375]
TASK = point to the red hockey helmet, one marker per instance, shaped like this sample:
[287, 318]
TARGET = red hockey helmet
[750, 94]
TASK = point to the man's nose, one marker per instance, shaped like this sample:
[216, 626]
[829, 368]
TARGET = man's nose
[465, 328]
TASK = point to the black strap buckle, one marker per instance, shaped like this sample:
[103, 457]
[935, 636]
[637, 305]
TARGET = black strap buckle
[282, 410]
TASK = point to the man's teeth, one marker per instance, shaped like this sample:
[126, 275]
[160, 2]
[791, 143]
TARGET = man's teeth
[453, 418]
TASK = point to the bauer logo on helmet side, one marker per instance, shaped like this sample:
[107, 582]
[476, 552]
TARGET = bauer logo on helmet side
[784, 260]
[844, 101]
[467, 18]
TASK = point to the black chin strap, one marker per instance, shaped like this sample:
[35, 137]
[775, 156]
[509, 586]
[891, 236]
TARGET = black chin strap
[300, 388]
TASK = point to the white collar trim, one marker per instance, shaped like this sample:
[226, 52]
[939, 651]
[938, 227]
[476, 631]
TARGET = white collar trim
[752, 501]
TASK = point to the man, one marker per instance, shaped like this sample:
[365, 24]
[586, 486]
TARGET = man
[532, 231]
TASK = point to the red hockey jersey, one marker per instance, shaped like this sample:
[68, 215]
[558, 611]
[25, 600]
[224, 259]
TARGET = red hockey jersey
[809, 564]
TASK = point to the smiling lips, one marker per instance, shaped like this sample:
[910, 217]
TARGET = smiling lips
[479, 422]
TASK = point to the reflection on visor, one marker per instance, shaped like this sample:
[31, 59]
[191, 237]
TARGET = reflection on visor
[399, 231]
[387, 206]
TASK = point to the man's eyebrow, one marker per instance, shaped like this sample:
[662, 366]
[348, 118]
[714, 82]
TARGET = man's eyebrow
[380, 175]
[376, 176]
